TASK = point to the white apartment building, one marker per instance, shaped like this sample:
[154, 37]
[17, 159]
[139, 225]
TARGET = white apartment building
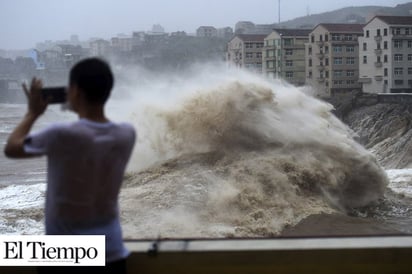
[332, 58]
[206, 31]
[386, 55]
[100, 47]
[284, 55]
[245, 51]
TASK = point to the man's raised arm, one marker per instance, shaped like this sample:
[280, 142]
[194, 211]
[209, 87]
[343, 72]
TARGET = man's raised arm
[36, 106]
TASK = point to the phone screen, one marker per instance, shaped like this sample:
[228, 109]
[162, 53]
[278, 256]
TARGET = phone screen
[55, 95]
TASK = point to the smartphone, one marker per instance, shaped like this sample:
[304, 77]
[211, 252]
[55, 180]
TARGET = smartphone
[55, 95]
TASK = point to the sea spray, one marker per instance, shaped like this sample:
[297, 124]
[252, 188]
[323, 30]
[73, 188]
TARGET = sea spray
[240, 156]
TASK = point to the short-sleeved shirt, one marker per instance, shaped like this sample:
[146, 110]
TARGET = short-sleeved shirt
[86, 162]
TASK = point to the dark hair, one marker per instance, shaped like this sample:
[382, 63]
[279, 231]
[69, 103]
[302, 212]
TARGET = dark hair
[94, 78]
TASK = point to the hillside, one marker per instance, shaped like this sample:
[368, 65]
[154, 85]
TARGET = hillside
[348, 15]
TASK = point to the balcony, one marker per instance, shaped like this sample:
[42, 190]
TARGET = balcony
[378, 39]
[320, 55]
[378, 51]
[378, 64]
[320, 67]
[365, 80]
[378, 77]
[320, 43]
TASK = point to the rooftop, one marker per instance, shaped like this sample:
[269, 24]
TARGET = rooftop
[395, 20]
[351, 28]
[293, 32]
[251, 37]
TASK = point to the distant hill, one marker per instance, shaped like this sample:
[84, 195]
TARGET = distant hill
[348, 15]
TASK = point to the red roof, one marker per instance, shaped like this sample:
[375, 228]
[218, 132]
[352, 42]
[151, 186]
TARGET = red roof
[395, 20]
[352, 28]
[252, 37]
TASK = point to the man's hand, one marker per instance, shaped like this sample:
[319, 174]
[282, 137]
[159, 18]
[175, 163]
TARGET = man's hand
[36, 103]
[36, 106]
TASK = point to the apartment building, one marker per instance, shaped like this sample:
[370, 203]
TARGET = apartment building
[245, 51]
[206, 31]
[386, 55]
[284, 55]
[332, 58]
[100, 47]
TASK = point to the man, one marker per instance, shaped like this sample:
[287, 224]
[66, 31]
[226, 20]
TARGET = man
[86, 160]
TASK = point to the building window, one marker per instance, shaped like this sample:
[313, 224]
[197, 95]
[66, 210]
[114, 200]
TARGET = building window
[365, 46]
[378, 59]
[409, 43]
[350, 82]
[409, 57]
[310, 50]
[258, 55]
[249, 54]
[367, 33]
[398, 71]
[407, 31]
[337, 61]
[335, 37]
[350, 49]
[385, 45]
[259, 45]
[385, 82]
[310, 62]
[350, 73]
[378, 45]
[409, 82]
[289, 52]
[310, 74]
[385, 32]
[348, 37]
[326, 49]
[326, 61]
[385, 72]
[288, 42]
[378, 32]
[409, 71]
[249, 45]
[350, 60]
[398, 31]
[312, 38]
[385, 58]
[398, 57]
[337, 82]
[398, 82]
[327, 74]
[337, 49]
[289, 74]
[365, 59]
[326, 37]
[320, 37]
[337, 73]
[289, 63]
[398, 44]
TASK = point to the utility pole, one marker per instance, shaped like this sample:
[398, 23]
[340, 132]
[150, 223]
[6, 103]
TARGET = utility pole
[279, 11]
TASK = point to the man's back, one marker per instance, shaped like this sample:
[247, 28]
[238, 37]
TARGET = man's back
[86, 163]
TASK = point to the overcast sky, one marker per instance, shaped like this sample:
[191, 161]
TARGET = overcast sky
[23, 23]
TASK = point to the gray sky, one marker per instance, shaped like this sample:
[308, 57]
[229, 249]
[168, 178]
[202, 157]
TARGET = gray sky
[26, 22]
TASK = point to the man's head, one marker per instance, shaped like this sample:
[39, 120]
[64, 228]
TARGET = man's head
[91, 79]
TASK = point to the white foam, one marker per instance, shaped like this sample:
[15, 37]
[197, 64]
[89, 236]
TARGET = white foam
[22, 196]
[400, 181]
